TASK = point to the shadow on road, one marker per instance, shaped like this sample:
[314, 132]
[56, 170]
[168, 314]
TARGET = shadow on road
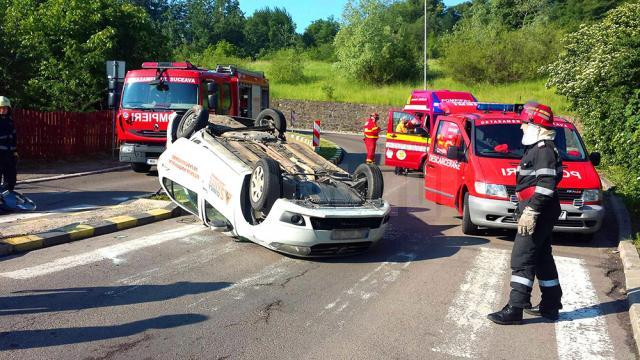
[67, 299]
[29, 339]
[602, 309]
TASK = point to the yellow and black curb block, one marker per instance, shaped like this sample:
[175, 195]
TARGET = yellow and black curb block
[25, 243]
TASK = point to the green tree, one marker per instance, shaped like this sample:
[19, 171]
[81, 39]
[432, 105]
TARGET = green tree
[599, 72]
[57, 49]
[269, 30]
[320, 32]
[371, 45]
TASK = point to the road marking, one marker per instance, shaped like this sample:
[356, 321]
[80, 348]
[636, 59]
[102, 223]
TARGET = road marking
[581, 332]
[108, 252]
[479, 295]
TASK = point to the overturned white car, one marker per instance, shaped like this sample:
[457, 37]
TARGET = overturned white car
[244, 178]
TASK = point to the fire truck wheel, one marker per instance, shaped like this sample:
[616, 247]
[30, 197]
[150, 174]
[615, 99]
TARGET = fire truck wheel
[193, 120]
[368, 181]
[468, 228]
[140, 167]
[265, 185]
[272, 117]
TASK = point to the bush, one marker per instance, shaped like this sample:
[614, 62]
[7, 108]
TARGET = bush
[286, 66]
[477, 52]
[599, 73]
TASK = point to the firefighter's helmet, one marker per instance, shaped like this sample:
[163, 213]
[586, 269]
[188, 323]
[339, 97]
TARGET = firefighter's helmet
[537, 114]
[4, 102]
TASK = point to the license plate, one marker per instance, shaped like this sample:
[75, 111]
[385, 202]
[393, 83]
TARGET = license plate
[563, 215]
[152, 161]
[349, 234]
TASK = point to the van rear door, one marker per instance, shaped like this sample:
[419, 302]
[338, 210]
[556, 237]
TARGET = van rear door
[443, 175]
[404, 149]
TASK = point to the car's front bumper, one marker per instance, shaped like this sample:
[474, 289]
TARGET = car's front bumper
[499, 214]
[324, 229]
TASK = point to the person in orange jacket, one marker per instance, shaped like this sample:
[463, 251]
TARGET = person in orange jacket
[371, 131]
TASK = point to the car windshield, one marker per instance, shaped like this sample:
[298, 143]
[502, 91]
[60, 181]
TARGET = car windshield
[175, 96]
[504, 141]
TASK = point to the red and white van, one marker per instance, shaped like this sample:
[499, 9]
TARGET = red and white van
[472, 163]
[408, 150]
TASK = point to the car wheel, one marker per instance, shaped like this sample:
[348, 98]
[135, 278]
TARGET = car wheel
[265, 185]
[140, 167]
[369, 181]
[468, 227]
[272, 117]
[193, 120]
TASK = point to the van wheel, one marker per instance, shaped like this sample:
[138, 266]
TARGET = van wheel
[193, 120]
[368, 181]
[140, 167]
[272, 117]
[468, 228]
[265, 185]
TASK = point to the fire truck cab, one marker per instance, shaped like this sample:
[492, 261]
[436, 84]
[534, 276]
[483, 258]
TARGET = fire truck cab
[472, 164]
[406, 146]
[160, 89]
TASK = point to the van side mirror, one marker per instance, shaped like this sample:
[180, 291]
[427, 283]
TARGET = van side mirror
[454, 153]
[212, 100]
[595, 158]
[212, 88]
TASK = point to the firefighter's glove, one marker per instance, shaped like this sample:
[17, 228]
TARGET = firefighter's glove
[527, 221]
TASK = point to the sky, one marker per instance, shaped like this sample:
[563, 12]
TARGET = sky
[306, 11]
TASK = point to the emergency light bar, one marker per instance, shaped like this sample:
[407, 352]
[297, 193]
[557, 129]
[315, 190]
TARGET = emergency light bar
[169, 65]
[517, 108]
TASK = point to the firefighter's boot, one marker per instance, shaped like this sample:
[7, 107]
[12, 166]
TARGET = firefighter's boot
[509, 315]
[544, 311]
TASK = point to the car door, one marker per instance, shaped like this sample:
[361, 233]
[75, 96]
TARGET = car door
[444, 176]
[405, 150]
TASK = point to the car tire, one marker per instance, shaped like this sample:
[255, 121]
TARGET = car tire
[140, 167]
[468, 227]
[272, 117]
[265, 185]
[374, 186]
[193, 120]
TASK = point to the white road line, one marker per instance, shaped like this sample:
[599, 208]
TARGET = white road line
[581, 332]
[108, 252]
[479, 295]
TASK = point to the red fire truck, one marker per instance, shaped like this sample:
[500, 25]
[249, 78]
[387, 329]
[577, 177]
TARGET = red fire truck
[160, 89]
[472, 164]
[406, 149]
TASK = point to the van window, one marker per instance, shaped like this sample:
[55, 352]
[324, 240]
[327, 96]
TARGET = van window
[214, 217]
[448, 135]
[396, 117]
[182, 195]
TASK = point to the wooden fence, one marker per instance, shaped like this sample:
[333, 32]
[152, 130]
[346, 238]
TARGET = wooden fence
[56, 135]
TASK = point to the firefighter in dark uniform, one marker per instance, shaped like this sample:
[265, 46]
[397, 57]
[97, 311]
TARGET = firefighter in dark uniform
[8, 154]
[537, 180]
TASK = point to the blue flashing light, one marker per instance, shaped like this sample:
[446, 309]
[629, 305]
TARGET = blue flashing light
[499, 107]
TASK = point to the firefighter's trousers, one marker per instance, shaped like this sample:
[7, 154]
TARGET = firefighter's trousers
[531, 258]
[8, 170]
[370, 144]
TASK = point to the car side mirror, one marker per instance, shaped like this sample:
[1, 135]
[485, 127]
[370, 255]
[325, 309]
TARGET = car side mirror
[595, 158]
[454, 152]
[212, 100]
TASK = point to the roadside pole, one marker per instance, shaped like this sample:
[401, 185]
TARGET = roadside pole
[115, 79]
[316, 135]
[425, 46]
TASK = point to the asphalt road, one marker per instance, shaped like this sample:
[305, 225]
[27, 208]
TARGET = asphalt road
[174, 290]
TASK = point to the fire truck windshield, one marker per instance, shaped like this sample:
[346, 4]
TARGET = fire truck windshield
[504, 141]
[175, 96]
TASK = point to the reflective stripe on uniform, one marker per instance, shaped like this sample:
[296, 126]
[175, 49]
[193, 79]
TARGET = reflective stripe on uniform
[526, 172]
[4, 137]
[522, 280]
[545, 171]
[549, 283]
[4, 147]
[544, 191]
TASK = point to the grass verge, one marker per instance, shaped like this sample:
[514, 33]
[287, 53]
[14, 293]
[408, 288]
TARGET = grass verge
[620, 178]
[322, 82]
[327, 149]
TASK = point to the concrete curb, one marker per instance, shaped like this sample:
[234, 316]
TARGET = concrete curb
[305, 140]
[26, 243]
[630, 263]
[67, 176]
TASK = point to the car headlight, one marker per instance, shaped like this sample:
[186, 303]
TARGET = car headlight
[127, 149]
[592, 195]
[491, 189]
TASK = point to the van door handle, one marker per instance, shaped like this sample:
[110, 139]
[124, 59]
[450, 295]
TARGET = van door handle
[430, 165]
[393, 136]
